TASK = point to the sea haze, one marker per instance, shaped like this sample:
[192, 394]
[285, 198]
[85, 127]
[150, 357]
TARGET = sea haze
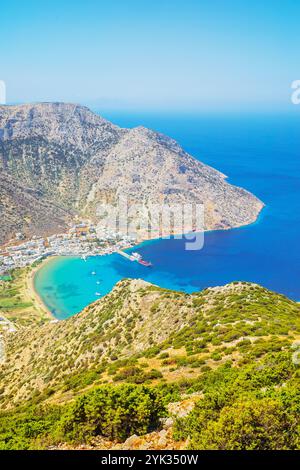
[258, 152]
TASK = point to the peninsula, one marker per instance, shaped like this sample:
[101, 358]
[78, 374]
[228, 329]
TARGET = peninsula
[59, 161]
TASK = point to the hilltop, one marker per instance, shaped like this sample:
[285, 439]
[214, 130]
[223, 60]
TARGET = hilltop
[187, 365]
[58, 160]
[153, 328]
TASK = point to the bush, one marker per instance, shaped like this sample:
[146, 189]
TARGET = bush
[136, 375]
[152, 352]
[19, 430]
[254, 407]
[250, 425]
[163, 355]
[115, 412]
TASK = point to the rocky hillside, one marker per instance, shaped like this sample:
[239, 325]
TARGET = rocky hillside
[149, 368]
[27, 210]
[65, 156]
[140, 332]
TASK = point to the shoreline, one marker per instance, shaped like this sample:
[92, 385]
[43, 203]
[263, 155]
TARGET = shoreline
[39, 301]
[32, 290]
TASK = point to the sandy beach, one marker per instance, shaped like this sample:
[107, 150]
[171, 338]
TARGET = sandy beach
[32, 291]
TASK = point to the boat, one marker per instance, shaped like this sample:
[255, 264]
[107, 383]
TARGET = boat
[98, 294]
[145, 263]
[136, 256]
[93, 273]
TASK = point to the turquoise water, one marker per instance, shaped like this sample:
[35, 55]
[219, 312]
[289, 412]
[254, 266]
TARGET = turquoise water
[260, 153]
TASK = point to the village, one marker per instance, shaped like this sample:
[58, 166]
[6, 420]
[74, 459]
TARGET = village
[82, 239]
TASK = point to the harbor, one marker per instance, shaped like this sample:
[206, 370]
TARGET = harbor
[81, 240]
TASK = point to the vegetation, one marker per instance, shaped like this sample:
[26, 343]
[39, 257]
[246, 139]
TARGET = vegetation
[115, 412]
[256, 407]
[17, 302]
[112, 370]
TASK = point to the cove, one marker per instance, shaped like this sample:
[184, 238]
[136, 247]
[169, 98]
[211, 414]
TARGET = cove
[260, 153]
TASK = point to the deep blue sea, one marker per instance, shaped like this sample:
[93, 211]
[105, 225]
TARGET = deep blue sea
[260, 152]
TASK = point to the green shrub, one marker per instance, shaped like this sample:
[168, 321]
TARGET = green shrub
[254, 407]
[163, 355]
[115, 412]
[247, 425]
[136, 375]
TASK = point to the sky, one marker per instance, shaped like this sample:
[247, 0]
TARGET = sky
[166, 54]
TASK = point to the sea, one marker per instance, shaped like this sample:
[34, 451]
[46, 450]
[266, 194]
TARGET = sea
[257, 151]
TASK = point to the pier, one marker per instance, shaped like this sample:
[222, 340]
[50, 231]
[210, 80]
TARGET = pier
[135, 257]
[126, 255]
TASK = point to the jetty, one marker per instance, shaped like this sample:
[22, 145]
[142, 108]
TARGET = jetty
[126, 255]
[135, 257]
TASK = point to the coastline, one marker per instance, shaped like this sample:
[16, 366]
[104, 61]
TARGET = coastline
[39, 301]
[32, 290]
[140, 242]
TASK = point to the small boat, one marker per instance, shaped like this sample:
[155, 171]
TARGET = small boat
[98, 282]
[98, 294]
[145, 263]
[93, 273]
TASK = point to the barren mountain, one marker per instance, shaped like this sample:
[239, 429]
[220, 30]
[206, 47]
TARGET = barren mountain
[70, 160]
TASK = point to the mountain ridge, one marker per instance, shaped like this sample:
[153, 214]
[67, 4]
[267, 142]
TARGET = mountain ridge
[151, 368]
[136, 318]
[75, 160]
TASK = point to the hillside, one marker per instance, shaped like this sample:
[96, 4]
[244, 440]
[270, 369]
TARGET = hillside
[188, 365]
[23, 209]
[66, 160]
[168, 331]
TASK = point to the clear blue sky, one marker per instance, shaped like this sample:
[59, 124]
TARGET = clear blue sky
[188, 54]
